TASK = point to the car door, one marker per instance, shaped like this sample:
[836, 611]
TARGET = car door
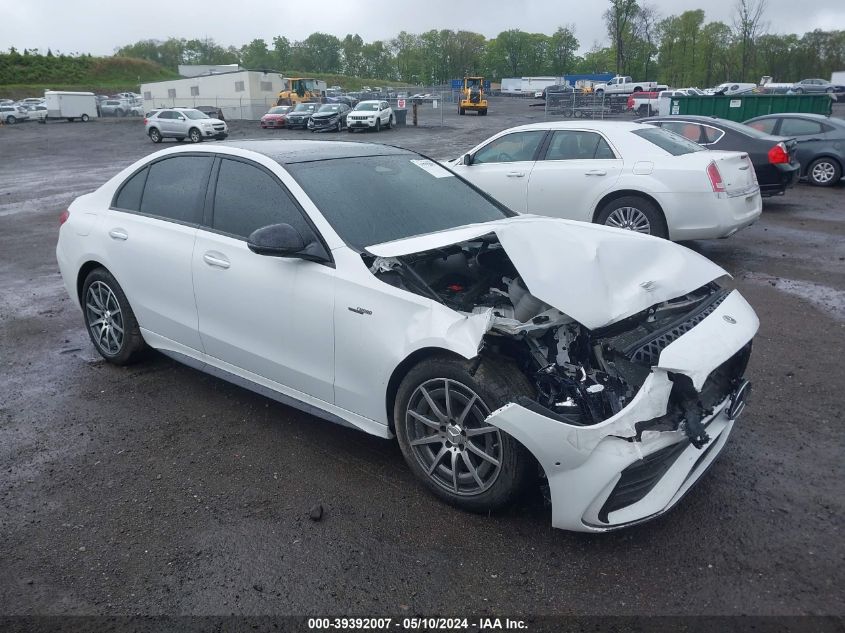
[149, 240]
[261, 316]
[810, 134]
[577, 168]
[503, 167]
[165, 121]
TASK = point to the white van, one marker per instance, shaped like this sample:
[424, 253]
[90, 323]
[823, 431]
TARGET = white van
[71, 105]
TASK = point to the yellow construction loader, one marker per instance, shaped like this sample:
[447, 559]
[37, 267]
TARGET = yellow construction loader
[300, 90]
[472, 96]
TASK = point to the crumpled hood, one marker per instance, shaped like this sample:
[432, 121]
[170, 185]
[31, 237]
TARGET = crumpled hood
[595, 274]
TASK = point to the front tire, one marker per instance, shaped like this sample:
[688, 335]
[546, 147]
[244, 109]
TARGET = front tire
[155, 135]
[109, 319]
[194, 135]
[824, 172]
[634, 214]
[440, 413]
[11, 119]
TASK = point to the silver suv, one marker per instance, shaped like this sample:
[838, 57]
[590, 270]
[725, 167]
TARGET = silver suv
[183, 123]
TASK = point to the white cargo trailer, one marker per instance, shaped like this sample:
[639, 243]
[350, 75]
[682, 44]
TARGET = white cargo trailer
[71, 105]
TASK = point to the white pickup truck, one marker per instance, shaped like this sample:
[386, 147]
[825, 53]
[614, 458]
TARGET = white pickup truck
[623, 86]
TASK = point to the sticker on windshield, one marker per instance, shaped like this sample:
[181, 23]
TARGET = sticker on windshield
[433, 168]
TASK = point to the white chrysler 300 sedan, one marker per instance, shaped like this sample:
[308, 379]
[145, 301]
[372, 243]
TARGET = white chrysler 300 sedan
[626, 175]
[388, 294]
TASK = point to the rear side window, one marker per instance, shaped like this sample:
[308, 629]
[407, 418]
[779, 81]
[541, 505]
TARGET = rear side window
[175, 188]
[248, 198]
[578, 145]
[129, 196]
[690, 131]
[667, 141]
[800, 127]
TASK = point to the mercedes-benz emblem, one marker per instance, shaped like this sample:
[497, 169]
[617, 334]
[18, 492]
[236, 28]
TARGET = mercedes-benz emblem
[729, 319]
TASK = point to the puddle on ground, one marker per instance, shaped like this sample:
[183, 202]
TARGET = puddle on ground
[829, 300]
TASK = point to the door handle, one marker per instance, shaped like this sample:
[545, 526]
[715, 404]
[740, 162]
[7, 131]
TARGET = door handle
[216, 259]
[743, 168]
[516, 174]
[596, 172]
[118, 234]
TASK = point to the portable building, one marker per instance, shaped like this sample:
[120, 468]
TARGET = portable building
[243, 94]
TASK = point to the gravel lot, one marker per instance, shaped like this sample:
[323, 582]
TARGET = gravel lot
[156, 489]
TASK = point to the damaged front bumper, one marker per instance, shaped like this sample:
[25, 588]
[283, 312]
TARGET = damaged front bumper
[613, 474]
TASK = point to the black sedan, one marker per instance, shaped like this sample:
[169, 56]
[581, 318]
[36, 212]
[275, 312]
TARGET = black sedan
[774, 157]
[301, 113]
[213, 111]
[330, 117]
[821, 143]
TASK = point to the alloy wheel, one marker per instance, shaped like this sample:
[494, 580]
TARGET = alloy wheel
[105, 318]
[629, 218]
[823, 172]
[448, 436]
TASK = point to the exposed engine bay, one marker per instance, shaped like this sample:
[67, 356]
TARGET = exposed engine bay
[580, 376]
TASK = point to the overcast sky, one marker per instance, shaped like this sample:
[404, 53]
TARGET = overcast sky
[99, 28]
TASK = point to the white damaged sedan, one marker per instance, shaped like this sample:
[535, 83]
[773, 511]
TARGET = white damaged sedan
[372, 287]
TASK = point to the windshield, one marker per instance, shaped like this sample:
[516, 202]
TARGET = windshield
[330, 107]
[670, 142]
[305, 107]
[377, 199]
[279, 110]
[367, 107]
[195, 114]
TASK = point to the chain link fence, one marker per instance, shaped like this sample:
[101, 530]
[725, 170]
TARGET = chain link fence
[578, 105]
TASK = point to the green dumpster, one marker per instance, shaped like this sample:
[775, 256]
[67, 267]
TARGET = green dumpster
[746, 106]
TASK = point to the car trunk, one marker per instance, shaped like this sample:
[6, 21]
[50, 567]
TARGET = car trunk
[737, 172]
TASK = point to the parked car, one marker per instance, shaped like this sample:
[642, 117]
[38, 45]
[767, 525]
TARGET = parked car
[371, 115]
[184, 123]
[621, 174]
[733, 88]
[644, 103]
[276, 117]
[360, 282]
[821, 143]
[298, 117]
[775, 158]
[37, 113]
[330, 116]
[211, 111]
[556, 89]
[814, 85]
[12, 114]
[115, 107]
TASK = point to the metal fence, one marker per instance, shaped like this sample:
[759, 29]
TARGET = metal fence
[577, 105]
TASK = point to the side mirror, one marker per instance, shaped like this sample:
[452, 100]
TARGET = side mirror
[467, 159]
[276, 240]
[283, 240]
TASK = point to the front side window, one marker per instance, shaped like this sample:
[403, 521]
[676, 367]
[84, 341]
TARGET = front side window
[248, 198]
[515, 147]
[800, 127]
[175, 188]
[766, 126]
[578, 145]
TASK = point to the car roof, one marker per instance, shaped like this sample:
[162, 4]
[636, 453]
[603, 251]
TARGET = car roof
[291, 152]
[793, 115]
[581, 125]
[370, 101]
[698, 118]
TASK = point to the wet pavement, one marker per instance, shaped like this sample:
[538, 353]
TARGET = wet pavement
[156, 489]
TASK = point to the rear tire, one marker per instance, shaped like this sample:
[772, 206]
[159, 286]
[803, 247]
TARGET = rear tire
[155, 135]
[84, 118]
[459, 458]
[461, 111]
[634, 213]
[11, 119]
[109, 319]
[824, 172]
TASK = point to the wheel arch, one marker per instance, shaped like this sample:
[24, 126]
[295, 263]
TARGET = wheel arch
[83, 273]
[828, 155]
[622, 193]
[401, 370]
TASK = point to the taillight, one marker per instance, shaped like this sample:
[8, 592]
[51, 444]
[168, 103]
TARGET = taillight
[715, 178]
[63, 216]
[145, 120]
[778, 154]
